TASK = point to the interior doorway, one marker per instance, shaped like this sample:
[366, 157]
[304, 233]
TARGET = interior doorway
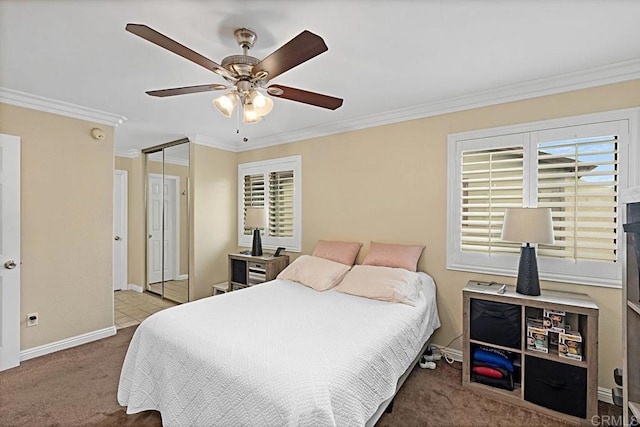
[164, 228]
[120, 230]
[9, 251]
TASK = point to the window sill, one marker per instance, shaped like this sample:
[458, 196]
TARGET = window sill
[544, 276]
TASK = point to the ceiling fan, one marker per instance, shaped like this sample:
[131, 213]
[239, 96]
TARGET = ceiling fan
[247, 76]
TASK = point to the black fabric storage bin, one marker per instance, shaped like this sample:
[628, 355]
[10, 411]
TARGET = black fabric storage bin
[239, 271]
[496, 323]
[556, 386]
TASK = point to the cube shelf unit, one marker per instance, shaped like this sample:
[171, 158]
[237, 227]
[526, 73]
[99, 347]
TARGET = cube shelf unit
[546, 382]
[247, 270]
[631, 308]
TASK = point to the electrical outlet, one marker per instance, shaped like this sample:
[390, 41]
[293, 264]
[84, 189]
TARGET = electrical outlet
[32, 319]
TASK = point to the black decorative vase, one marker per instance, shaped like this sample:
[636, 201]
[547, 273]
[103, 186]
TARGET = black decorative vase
[256, 248]
[528, 281]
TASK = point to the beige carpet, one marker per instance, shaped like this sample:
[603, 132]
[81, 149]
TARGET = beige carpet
[78, 387]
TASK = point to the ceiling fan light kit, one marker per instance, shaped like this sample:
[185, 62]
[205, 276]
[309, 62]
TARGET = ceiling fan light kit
[226, 103]
[248, 76]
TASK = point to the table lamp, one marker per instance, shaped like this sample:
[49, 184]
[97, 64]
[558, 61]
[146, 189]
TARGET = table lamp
[255, 219]
[528, 225]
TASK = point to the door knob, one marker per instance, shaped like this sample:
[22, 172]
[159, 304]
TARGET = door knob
[117, 238]
[150, 236]
[10, 265]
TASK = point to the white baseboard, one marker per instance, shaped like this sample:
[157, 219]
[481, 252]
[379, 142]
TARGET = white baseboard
[135, 288]
[183, 277]
[67, 343]
[451, 352]
[604, 394]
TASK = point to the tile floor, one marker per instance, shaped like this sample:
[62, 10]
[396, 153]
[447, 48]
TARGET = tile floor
[133, 307]
[176, 290]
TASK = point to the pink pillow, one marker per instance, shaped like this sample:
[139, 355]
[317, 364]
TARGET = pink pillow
[382, 283]
[396, 256]
[317, 273]
[342, 252]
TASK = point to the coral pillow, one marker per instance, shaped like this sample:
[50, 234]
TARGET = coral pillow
[317, 273]
[382, 283]
[397, 256]
[342, 252]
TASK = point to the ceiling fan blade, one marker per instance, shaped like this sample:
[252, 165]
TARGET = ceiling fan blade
[311, 98]
[185, 90]
[301, 48]
[161, 40]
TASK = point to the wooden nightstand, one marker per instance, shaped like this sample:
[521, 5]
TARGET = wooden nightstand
[247, 270]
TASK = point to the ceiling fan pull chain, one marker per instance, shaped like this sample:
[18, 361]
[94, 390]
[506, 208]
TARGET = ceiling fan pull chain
[238, 120]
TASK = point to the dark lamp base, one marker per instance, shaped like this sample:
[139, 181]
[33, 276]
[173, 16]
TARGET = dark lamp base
[256, 248]
[528, 281]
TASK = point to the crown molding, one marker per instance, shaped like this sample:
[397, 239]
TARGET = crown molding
[134, 153]
[40, 103]
[213, 142]
[592, 77]
[176, 161]
[129, 154]
[158, 157]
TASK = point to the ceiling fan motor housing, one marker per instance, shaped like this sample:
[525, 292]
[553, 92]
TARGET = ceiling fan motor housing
[240, 64]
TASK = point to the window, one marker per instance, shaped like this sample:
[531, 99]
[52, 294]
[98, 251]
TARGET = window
[275, 186]
[570, 166]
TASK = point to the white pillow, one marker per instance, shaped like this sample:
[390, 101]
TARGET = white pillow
[317, 273]
[382, 283]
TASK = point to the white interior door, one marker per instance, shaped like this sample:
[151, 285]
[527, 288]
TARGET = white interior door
[120, 236]
[9, 251]
[161, 228]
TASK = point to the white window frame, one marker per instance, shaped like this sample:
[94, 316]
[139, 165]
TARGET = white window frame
[292, 244]
[582, 272]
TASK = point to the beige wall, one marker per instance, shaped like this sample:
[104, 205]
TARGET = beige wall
[214, 215]
[389, 184]
[66, 224]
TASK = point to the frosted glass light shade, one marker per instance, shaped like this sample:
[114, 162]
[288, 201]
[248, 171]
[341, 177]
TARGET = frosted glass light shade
[226, 103]
[527, 225]
[262, 104]
[255, 218]
[249, 114]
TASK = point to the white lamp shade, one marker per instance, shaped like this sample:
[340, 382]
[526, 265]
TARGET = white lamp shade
[226, 103]
[527, 225]
[255, 218]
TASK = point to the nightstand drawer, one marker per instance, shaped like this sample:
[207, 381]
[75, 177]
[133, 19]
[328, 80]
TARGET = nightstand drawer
[257, 265]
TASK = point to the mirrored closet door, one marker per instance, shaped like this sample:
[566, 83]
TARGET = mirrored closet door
[167, 220]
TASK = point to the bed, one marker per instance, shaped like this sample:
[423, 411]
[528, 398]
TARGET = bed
[275, 354]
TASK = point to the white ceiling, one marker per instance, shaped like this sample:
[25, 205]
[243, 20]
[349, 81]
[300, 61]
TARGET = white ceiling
[389, 60]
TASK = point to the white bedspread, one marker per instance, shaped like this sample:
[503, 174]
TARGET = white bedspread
[275, 354]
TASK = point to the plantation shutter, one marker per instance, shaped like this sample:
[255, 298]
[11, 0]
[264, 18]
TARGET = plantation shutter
[253, 196]
[578, 180]
[492, 180]
[281, 204]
